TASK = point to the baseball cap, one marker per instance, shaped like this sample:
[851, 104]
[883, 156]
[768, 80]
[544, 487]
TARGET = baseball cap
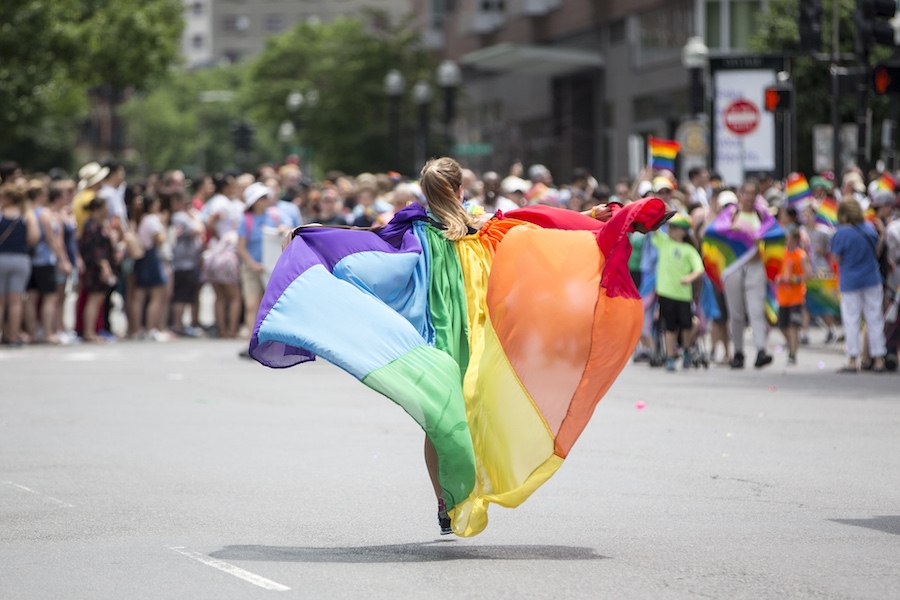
[726, 197]
[680, 220]
[662, 183]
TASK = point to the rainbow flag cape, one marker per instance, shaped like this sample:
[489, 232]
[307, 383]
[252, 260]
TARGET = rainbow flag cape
[887, 182]
[797, 188]
[499, 345]
[663, 153]
[826, 213]
[823, 296]
[726, 249]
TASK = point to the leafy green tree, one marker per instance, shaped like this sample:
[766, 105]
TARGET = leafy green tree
[778, 33]
[345, 62]
[54, 52]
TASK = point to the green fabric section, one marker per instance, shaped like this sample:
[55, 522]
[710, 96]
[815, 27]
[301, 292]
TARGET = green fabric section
[425, 383]
[447, 299]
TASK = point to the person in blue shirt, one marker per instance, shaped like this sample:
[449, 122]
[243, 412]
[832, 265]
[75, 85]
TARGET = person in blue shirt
[854, 248]
[261, 218]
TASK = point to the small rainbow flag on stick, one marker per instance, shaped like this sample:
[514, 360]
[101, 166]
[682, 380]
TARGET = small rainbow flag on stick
[797, 189]
[826, 214]
[663, 153]
[887, 182]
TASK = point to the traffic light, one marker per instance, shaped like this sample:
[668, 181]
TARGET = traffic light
[777, 98]
[242, 136]
[886, 79]
[872, 27]
[809, 21]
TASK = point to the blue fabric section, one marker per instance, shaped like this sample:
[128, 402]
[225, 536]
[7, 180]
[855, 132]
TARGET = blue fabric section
[337, 321]
[424, 267]
[399, 280]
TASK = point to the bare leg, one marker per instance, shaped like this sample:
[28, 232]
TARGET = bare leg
[178, 316]
[91, 310]
[155, 313]
[220, 308]
[234, 310]
[431, 461]
[135, 308]
[671, 343]
[48, 318]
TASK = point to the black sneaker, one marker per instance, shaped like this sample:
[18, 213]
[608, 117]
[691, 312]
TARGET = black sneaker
[738, 361]
[762, 359]
[443, 518]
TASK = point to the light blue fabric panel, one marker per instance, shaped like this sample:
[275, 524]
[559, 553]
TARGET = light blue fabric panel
[339, 322]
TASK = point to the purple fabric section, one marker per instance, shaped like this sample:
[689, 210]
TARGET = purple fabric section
[327, 246]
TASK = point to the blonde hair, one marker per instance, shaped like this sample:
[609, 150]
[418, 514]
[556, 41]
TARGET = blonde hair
[850, 211]
[441, 179]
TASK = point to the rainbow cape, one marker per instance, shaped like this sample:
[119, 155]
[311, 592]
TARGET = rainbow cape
[826, 213]
[499, 345]
[797, 188]
[662, 153]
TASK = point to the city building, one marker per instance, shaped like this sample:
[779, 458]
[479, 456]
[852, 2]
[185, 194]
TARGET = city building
[232, 30]
[575, 83]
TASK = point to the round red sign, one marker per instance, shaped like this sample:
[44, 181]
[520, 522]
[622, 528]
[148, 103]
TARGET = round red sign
[741, 117]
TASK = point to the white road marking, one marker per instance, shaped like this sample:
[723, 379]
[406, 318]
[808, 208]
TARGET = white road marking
[31, 491]
[258, 580]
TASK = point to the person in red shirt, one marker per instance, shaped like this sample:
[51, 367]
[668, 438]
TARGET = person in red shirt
[790, 291]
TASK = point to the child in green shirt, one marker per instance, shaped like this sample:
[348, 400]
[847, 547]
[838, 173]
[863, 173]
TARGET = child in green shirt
[678, 266]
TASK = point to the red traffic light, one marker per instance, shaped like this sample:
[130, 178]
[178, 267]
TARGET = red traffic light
[777, 98]
[886, 79]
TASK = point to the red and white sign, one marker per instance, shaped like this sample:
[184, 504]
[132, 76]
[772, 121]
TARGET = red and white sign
[741, 117]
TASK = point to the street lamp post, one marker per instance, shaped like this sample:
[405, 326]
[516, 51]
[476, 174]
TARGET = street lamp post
[449, 77]
[694, 57]
[422, 96]
[394, 84]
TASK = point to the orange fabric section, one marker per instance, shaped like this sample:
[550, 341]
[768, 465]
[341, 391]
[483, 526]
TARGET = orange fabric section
[495, 230]
[617, 327]
[541, 303]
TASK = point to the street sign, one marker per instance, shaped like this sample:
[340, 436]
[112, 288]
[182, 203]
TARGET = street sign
[477, 149]
[741, 117]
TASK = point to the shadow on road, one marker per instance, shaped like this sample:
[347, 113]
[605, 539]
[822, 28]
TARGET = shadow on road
[885, 523]
[418, 552]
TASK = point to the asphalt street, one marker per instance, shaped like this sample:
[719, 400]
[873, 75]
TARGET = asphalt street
[147, 470]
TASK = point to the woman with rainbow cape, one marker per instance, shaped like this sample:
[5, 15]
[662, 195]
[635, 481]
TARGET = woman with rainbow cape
[497, 336]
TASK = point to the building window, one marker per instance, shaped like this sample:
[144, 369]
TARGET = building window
[617, 31]
[730, 24]
[236, 23]
[663, 31]
[197, 41]
[233, 55]
[274, 23]
[197, 9]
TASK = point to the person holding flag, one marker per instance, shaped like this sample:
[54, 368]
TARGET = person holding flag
[743, 249]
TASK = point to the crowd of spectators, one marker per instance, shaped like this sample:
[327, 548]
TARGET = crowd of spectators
[75, 248]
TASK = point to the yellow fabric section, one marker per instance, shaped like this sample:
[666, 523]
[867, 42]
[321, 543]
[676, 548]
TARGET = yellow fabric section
[513, 445]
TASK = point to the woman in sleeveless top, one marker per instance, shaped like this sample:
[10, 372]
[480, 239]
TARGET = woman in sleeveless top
[49, 255]
[18, 233]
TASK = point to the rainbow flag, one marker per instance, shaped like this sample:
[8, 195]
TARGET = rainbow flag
[663, 153]
[797, 188]
[870, 215]
[478, 350]
[887, 182]
[771, 305]
[823, 296]
[725, 249]
[826, 213]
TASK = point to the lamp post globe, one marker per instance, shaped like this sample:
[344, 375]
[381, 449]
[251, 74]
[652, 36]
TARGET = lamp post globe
[448, 74]
[394, 83]
[422, 92]
[695, 53]
[294, 101]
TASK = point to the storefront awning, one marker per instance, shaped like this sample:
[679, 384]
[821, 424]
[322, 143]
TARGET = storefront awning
[538, 60]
